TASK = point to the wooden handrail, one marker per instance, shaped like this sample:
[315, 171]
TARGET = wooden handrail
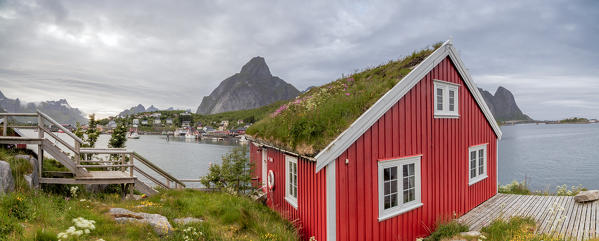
[157, 169]
[23, 127]
[106, 166]
[18, 114]
[104, 151]
[145, 174]
[65, 130]
[190, 180]
[63, 142]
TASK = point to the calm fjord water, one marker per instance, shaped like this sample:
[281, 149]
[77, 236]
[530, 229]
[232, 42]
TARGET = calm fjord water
[550, 155]
[547, 155]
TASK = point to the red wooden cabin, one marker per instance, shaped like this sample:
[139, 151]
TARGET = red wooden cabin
[425, 151]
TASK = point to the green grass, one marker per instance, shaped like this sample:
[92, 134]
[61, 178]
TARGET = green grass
[41, 215]
[311, 121]
[501, 230]
[447, 230]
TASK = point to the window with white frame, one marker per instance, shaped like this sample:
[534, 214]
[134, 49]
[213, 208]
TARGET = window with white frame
[446, 99]
[399, 186]
[477, 163]
[291, 180]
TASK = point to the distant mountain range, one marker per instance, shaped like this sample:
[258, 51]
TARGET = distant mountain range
[503, 105]
[59, 110]
[140, 109]
[254, 86]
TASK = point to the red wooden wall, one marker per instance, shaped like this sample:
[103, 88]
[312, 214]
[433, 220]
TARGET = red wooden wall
[310, 215]
[409, 128]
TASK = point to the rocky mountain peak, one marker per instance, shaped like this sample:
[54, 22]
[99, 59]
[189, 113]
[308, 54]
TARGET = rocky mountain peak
[256, 67]
[2, 96]
[251, 88]
[503, 105]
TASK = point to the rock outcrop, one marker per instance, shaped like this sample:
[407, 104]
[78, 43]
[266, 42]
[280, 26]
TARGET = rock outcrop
[587, 196]
[158, 222]
[503, 105]
[7, 182]
[253, 87]
[33, 178]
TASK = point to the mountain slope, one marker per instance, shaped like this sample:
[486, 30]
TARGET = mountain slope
[59, 110]
[253, 87]
[503, 105]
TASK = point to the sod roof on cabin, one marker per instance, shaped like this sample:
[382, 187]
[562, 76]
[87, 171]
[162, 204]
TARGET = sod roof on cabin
[308, 123]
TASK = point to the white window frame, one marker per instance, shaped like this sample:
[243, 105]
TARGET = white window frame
[288, 196]
[446, 87]
[401, 207]
[479, 176]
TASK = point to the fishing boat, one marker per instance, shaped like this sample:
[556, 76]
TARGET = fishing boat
[180, 132]
[190, 135]
[133, 135]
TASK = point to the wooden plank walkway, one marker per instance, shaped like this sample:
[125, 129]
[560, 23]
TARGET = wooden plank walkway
[568, 218]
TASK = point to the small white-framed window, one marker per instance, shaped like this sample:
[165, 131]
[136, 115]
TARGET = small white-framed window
[399, 186]
[446, 101]
[291, 180]
[477, 163]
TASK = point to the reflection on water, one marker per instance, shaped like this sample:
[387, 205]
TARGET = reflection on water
[550, 155]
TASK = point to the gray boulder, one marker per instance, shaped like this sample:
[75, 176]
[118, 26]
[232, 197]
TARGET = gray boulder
[7, 182]
[587, 196]
[33, 178]
[158, 222]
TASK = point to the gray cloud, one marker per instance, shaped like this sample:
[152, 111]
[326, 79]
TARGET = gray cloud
[104, 56]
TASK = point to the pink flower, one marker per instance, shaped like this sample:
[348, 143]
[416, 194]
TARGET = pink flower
[347, 94]
[350, 79]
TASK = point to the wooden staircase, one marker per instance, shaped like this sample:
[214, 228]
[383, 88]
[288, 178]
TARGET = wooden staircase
[119, 168]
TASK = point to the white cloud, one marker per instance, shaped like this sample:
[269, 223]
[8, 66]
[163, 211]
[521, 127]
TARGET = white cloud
[121, 53]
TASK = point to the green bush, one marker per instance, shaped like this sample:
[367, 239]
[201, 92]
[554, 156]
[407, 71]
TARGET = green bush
[515, 188]
[501, 230]
[447, 230]
[233, 175]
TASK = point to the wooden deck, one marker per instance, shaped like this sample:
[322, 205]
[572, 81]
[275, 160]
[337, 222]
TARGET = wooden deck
[576, 221]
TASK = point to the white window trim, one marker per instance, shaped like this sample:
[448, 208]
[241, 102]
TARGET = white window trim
[479, 177]
[405, 207]
[288, 197]
[446, 86]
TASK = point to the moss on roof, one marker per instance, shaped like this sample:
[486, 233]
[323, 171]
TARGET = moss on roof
[311, 121]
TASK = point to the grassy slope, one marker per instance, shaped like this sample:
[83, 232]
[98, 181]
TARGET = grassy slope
[24, 214]
[311, 121]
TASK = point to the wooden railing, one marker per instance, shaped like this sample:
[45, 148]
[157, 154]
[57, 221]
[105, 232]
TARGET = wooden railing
[119, 163]
[133, 166]
[41, 119]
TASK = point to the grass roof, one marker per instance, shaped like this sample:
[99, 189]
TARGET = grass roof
[308, 123]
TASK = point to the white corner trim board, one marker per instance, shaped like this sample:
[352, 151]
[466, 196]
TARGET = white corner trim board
[331, 202]
[378, 109]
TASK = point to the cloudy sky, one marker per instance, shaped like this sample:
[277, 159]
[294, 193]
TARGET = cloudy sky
[105, 56]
